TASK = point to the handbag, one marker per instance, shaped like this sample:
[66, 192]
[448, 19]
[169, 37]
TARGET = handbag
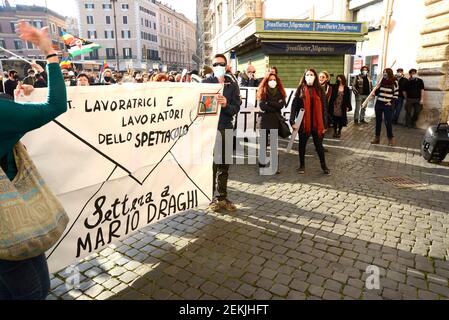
[284, 129]
[31, 218]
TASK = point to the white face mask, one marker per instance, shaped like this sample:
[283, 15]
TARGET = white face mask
[364, 72]
[310, 80]
[67, 83]
[219, 71]
[272, 84]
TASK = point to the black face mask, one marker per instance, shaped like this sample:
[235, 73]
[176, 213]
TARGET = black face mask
[15, 77]
[107, 79]
[338, 82]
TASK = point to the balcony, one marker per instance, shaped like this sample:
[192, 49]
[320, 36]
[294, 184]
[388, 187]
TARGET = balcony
[247, 11]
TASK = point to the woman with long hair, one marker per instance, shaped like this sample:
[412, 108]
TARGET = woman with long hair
[271, 96]
[387, 93]
[310, 97]
[340, 104]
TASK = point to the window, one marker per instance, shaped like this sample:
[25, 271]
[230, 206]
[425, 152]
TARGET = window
[91, 34]
[125, 20]
[90, 20]
[154, 25]
[13, 27]
[37, 24]
[89, 6]
[110, 53]
[127, 54]
[126, 34]
[93, 55]
[108, 19]
[2, 43]
[30, 45]
[141, 22]
[146, 23]
[125, 6]
[109, 34]
[107, 6]
[18, 44]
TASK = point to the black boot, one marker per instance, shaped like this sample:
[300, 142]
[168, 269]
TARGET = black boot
[325, 169]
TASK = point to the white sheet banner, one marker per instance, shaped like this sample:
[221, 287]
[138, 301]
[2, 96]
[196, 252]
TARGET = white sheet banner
[250, 110]
[123, 157]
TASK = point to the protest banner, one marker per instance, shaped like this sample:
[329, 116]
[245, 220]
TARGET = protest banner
[123, 157]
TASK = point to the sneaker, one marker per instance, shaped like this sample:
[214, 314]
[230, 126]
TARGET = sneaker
[376, 140]
[214, 206]
[301, 170]
[227, 205]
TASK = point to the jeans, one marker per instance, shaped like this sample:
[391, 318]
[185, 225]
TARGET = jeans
[397, 109]
[303, 138]
[387, 112]
[413, 108]
[359, 113]
[24, 280]
[221, 168]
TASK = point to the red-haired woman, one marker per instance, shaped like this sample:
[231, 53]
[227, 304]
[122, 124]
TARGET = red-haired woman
[310, 97]
[271, 96]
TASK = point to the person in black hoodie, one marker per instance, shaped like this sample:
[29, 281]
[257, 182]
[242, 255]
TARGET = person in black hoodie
[340, 104]
[271, 95]
[230, 103]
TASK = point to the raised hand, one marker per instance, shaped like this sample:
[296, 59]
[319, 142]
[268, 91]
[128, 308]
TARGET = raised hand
[38, 37]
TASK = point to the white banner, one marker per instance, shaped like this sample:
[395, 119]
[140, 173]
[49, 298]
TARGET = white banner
[123, 157]
[246, 125]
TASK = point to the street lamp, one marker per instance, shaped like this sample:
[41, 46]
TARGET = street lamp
[117, 68]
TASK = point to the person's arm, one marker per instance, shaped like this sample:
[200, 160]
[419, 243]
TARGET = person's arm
[348, 99]
[355, 86]
[24, 117]
[296, 106]
[422, 93]
[233, 104]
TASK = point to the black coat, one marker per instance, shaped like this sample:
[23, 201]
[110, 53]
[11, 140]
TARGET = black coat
[271, 108]
[298, 104]
[345, 106]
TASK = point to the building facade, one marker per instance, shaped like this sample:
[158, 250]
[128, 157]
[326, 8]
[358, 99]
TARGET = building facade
[136, 44]
[178, 43]
[37, 16]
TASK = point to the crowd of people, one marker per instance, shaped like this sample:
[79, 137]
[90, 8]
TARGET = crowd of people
[324, 105]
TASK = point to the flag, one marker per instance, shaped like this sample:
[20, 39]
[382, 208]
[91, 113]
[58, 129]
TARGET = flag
[65, 63]
[78, 46]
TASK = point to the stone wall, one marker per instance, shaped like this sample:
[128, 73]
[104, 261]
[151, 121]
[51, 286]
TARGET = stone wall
[433, 63]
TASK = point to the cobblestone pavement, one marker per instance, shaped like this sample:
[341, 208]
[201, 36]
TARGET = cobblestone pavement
[294, 237]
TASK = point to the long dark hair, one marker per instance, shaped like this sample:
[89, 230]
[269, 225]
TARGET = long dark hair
[390, 77]
[262, 91]
[342, 79]
[303, 83]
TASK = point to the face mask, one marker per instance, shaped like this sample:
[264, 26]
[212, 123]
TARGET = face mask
[219, 71]
[16, 77]
[399, 75]
[385, 76]
[107, 79]
[364, 72]
[272, 84]
[310, 80]
[67, 83]
[338, 82]
[413, 76]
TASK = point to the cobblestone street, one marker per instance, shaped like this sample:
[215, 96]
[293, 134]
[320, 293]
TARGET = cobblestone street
[295, 237]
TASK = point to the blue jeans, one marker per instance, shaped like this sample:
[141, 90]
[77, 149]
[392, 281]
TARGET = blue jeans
[24, 280]
[387, 113]
[359, 112]
[397, 109]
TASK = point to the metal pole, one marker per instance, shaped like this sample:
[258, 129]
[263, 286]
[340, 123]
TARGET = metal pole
[117, 68]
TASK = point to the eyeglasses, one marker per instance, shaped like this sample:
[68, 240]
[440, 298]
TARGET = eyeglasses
[251, 71]
[222, 64]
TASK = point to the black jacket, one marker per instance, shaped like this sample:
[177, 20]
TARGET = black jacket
[298, 104]
[232, 93]
[250, 83]
[346, 104]
[271, 108]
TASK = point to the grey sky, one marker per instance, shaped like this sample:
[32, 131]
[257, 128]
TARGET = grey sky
[69, 8]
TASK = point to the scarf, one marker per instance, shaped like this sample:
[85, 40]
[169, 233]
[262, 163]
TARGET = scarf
[273, 92]
[317, 111]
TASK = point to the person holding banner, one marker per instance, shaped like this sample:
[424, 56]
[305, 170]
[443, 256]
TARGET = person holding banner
[271, 96]
[387, 94]
[310, 97]
[230, 103]
[29, 278]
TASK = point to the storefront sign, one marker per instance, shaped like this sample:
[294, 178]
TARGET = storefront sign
[312, 26]
[309, 48]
